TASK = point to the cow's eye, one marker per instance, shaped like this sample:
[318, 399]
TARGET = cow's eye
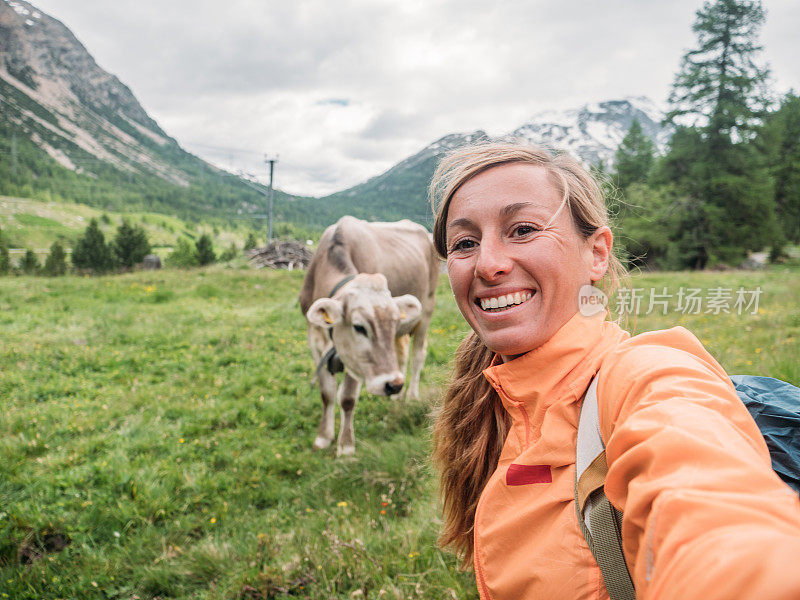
[360, 329]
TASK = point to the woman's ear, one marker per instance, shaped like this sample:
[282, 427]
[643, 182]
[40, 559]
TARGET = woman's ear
[600, 243]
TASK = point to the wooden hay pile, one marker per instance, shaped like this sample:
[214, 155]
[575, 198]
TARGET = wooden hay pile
[281, 254]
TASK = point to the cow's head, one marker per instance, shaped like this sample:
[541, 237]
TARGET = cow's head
[365, 320]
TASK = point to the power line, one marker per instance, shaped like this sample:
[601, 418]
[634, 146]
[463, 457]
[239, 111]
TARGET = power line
[225, 149]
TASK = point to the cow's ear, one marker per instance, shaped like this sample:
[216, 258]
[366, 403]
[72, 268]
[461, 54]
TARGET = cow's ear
[325, 312]
[410, 309]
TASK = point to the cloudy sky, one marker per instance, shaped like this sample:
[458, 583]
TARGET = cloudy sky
[342, 90]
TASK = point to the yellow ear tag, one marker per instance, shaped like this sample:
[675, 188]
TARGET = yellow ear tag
[325, 316]
[402, 315]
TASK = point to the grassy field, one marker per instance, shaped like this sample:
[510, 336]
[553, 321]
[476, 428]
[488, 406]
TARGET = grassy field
[156, 439]
[35, 225]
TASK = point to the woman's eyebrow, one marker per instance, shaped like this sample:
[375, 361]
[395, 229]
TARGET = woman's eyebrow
[506, 211]
[510, 209]
[461, 222]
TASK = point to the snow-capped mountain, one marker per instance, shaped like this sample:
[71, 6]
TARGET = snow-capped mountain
[594, 131]
[58, 104]
[591, 133]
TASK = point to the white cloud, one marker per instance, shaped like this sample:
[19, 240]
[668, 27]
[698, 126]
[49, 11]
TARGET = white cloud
[343, 90]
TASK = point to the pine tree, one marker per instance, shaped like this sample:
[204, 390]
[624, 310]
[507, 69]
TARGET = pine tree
[250, 242]
[56, 262]
[720, 87]
[130, 245]
[779, 140]
[204, 249]
[726, 205]
[29, 263]
[5, 260]
[91, 251]
[634, 157]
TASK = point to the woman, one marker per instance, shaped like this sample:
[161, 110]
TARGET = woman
[704, 514]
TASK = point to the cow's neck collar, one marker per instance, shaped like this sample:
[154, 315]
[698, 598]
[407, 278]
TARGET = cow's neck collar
[341, 284]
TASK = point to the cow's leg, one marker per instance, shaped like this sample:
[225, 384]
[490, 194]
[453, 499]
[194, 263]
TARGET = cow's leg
[318, 341]
[419, 350]
[327, 388]
[348, 397]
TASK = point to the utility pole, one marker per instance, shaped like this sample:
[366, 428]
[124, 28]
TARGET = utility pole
[271, 162]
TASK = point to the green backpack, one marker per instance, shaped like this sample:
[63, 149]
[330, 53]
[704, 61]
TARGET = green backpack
[773, 404]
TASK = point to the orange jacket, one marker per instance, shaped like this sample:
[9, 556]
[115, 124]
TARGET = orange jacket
[704, 515]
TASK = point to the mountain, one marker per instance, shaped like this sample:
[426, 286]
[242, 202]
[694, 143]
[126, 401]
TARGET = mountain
[591, 133]
[400, 192]
[71, 130]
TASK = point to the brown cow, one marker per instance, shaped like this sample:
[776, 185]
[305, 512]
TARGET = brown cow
[368, 287]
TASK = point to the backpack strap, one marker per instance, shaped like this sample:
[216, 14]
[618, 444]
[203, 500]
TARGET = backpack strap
[600, 522]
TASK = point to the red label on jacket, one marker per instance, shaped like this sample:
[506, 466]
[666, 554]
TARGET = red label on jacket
[525, 474]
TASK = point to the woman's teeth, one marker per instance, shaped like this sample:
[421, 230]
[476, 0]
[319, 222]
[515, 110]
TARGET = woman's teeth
[503, 302]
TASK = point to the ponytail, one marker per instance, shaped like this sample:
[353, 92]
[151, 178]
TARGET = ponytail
[468, 436]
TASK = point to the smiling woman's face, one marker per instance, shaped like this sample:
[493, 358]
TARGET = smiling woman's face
[515, 282]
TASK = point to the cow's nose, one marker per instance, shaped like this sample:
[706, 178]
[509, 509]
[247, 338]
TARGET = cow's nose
[392, 388]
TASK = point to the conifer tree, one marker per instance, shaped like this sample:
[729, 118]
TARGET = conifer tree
[727, 206]
[634, 157]
[5, 260]
[204, 250]
[130, 245]
[91, 251]
[720, 87]
[779, 139]
[29, 263]
[56, 262]
[250, 242]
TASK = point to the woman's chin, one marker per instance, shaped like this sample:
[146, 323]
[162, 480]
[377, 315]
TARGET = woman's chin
[511, 344]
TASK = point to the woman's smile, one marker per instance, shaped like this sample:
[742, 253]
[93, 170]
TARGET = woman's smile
[516, 260]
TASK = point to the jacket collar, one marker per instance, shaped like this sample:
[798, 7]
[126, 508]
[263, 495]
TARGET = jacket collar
[562, 366]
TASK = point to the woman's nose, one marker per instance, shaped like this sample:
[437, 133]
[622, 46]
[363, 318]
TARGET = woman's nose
[493, 261]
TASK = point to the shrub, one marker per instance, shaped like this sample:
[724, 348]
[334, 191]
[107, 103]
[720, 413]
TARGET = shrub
[29, 263]
[5, 261]
[56, 262]
[183, 255]
[91, 252]
[205, 250]
[229, 254]
[130, 245]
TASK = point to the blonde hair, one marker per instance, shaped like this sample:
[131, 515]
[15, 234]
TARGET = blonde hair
[472, 425]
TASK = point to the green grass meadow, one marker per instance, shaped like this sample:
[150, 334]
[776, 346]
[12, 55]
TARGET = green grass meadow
[35, 224]
[156, 430]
